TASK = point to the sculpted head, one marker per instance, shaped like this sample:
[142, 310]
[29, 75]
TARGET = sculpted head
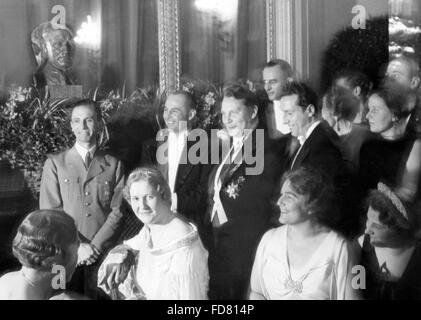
[53, 45]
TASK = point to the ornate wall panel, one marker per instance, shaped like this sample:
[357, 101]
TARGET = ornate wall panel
[169, 44]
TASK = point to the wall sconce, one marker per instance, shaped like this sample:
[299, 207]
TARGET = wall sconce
[89, 35]
[224, 9]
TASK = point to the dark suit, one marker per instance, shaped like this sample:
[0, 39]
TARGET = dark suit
[322, 150]
[250, 211]
[190, 183]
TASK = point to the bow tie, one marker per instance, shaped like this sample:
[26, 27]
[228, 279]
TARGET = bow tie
[301, 140]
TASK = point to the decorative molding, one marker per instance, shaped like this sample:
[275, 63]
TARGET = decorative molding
[287, 33]
[169, 44]
[270, 29]
[279, 29]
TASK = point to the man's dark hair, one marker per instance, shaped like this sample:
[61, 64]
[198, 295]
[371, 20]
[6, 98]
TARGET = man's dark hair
[88, 103]
[189, 97]
[240, 92]
[285, 66]
[306, 95]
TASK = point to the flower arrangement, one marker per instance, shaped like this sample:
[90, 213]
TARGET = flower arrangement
[33, 126]
[207, 96]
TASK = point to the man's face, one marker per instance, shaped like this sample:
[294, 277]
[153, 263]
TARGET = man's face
[401, 73]
[85, 124]
[275, 81]
[295, 116]
[60, 49]
[236, 116]
[176, 112]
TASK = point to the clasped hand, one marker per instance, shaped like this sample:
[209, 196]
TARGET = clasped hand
[87, 254]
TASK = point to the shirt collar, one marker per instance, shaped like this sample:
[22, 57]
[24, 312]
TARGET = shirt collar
[82, 151]
[310, 130]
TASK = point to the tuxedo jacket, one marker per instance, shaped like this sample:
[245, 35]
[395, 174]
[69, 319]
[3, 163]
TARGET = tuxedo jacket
[190, 182]
[92, 197]
[249, 202]
[323, 151]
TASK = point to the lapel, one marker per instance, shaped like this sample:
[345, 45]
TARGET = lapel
[184, 170]
[306, 148]
[97, 166]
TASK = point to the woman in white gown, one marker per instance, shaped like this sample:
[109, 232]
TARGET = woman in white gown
[304, 258]
[166, 260]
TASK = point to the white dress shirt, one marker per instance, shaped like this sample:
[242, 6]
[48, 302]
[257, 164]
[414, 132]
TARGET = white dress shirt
[83, 151]
[176, 145]
[218, 208]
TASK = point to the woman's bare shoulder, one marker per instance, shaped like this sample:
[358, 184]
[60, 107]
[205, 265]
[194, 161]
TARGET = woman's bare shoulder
[7, 282]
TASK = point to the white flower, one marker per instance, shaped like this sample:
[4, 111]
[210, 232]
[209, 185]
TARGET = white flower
[18, 94]
[106, 105]
[11, 105]
[210, 99]
[232, 190]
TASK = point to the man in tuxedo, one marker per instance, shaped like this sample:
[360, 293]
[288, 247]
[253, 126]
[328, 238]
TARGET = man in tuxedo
[170, 153]
[86, 183]
[241, 204]
[276, 76]
[319, 146]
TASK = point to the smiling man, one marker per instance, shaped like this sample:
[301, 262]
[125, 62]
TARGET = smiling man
[276, 76]
[86, 183]
[241, 205]
[169, 152]
[320, 146]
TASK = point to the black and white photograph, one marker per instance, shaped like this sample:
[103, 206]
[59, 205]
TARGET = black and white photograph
[225, 151]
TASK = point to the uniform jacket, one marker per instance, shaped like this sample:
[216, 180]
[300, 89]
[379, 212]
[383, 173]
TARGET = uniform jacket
[92, 197]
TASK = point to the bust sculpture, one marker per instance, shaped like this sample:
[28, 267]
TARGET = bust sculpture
[54, 49]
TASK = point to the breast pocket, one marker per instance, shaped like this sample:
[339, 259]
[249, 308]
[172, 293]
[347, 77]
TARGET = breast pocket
[104, 191]
[71, 188]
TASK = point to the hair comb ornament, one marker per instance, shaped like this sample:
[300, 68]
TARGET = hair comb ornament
[384, 189]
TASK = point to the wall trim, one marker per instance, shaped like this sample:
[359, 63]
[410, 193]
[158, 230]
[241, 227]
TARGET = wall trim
[169, 44]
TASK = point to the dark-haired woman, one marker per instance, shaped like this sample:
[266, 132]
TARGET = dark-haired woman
[304, 258]
[46, 245]
[383, 159]
[391, 253]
